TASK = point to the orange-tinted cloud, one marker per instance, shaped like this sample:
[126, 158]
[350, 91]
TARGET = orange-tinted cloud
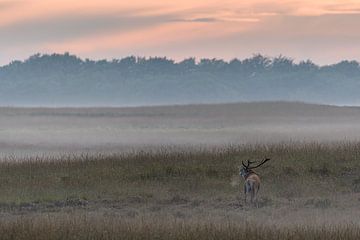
[203, 28]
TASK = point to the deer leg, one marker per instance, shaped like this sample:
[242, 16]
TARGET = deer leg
[252, 195]
[256, 200]
[256, 191]
[245, 193]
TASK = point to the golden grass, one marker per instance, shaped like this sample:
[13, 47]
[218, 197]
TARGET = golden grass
[288, 174]
[103, 228]
[185, 182]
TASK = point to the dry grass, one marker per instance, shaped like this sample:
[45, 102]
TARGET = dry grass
[100, 228]
[293, 167]
[179, 193]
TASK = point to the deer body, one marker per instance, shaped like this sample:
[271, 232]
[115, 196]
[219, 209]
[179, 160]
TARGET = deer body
[252, 181]
[251, 186]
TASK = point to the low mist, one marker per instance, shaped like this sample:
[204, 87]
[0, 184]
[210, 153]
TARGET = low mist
[35, 131]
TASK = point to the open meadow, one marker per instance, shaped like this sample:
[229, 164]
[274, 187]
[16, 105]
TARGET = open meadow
[172, 172]
[57, 131]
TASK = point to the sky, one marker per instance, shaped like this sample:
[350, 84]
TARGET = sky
[325, 31]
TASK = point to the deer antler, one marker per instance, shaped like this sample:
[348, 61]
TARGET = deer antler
[244, 164]
[264, 161]
[247, 165]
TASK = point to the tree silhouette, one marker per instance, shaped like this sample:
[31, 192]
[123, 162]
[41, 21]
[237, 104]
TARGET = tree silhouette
[67, 79]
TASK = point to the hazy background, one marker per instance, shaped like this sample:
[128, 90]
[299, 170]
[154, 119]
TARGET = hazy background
[120, 54]
[66, 80]
[111, 53]
[41, 131]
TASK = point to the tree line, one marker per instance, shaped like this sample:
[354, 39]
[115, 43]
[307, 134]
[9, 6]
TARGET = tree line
[66, 79]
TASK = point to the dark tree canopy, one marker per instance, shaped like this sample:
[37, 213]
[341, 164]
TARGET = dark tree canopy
[64, 79]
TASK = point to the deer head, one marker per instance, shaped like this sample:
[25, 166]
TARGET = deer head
[247, 168]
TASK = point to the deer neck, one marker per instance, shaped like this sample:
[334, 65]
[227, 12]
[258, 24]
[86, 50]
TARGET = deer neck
[249, 173]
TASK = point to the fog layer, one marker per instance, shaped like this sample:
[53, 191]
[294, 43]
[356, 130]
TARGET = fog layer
[76, 130]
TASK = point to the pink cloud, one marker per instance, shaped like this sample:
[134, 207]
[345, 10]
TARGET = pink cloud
[226, 28]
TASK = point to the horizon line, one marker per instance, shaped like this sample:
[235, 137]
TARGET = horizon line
[197, 59]
[49, 106]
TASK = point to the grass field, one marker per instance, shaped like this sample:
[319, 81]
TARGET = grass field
[172, 172]
[75, 227]
[293, 171]
[309, 191]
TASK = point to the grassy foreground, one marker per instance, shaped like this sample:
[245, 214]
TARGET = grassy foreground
[71, 228]
[183, 193]
[294, 170]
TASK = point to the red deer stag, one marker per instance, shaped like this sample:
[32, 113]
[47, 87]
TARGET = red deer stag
[252, 180]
